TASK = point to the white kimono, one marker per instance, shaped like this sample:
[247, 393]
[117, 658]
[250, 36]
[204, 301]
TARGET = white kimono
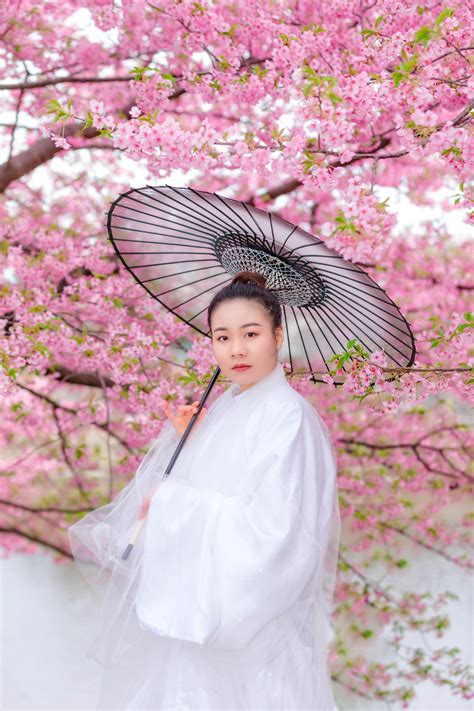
[237, 563]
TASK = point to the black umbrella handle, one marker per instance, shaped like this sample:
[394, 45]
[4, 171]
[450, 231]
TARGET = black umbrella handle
[176, 453]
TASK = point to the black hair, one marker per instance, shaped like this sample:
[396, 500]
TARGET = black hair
[248, 285]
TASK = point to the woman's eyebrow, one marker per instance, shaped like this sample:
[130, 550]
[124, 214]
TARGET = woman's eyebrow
[221, 328]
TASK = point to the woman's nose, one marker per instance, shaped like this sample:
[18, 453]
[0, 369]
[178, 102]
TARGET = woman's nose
[238, 349]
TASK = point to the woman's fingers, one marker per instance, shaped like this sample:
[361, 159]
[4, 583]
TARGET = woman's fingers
[182, 409]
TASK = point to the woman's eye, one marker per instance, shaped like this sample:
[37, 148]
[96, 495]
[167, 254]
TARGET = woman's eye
[250, 333]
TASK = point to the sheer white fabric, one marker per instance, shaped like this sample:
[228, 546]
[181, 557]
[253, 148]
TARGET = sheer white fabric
[225, 600]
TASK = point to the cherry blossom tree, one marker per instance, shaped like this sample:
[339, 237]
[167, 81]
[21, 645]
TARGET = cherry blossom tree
[323, 113]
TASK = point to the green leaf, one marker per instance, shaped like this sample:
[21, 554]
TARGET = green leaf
[230, 31]
[423, 35]
[80, 451]
[313, 27]
[402, 563]
[446, 12]
[334, 98]
[88, 121]
[197, 7]
[53, 106]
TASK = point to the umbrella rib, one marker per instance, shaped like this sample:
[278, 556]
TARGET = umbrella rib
[154, 233]
[239, 217]
[327, 326]
[334, 295]
[162, 219]
[188, 271]
[228, 206]
[302, 340]
[286, 240]
[314, 242]
[264, 241]
[375, 315]
[159, 252]
[387, 302]
[158, 264]
[208, 217]
[316, 341]
[326, 256]
[372, 338]
[319, 268]
[227, 223]
[360, 300]
[369, 348]
[124, 239]
[200, 195]
[177, 261]
[191, 283]
[198, 314]
[270, 217]
[200, 294]
[160, 210]
[354, 281]
[169, 244]
[287, 331]
[161, 227]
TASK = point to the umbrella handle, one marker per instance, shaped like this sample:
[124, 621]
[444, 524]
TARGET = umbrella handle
[138, 526]
[184, 436]
[133, 538]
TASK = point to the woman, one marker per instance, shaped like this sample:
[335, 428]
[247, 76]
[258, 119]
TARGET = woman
[226, 601]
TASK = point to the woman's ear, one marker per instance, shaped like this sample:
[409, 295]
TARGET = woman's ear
[279, 336]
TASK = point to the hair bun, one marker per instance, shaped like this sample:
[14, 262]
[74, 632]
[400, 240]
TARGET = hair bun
[250, 277]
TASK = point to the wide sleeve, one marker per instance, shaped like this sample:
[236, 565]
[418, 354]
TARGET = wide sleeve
[217, 568]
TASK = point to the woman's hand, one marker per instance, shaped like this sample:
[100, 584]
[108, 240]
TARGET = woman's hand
[146, 502]
[181, 420]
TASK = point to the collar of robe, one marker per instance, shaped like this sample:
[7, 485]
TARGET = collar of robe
[275, 377]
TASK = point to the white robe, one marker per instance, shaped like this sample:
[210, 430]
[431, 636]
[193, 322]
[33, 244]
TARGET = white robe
[236, 576]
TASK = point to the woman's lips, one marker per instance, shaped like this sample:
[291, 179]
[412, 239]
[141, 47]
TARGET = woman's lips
[242, 367]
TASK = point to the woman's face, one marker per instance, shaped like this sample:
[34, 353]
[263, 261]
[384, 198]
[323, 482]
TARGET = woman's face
[242, 333]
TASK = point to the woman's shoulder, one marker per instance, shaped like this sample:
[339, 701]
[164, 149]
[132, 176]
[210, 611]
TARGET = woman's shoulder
[287, 399]
[285, 405]
[282, 406]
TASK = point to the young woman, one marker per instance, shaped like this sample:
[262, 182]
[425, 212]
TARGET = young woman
[226, 598]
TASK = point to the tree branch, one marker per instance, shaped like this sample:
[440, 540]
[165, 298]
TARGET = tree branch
[61, 80]
[35, 539]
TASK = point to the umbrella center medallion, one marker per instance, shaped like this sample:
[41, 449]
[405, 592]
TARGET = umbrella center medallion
[291, 284]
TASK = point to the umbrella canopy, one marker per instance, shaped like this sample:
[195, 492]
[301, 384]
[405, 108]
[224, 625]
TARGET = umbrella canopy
[183, 245]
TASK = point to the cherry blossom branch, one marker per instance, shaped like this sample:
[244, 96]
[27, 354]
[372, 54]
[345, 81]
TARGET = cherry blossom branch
[44, 509]
[423, 544]
[418, 445]
[71, 411]
[35, 539]
[61, 80]
[43, 150]
[67, 458]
